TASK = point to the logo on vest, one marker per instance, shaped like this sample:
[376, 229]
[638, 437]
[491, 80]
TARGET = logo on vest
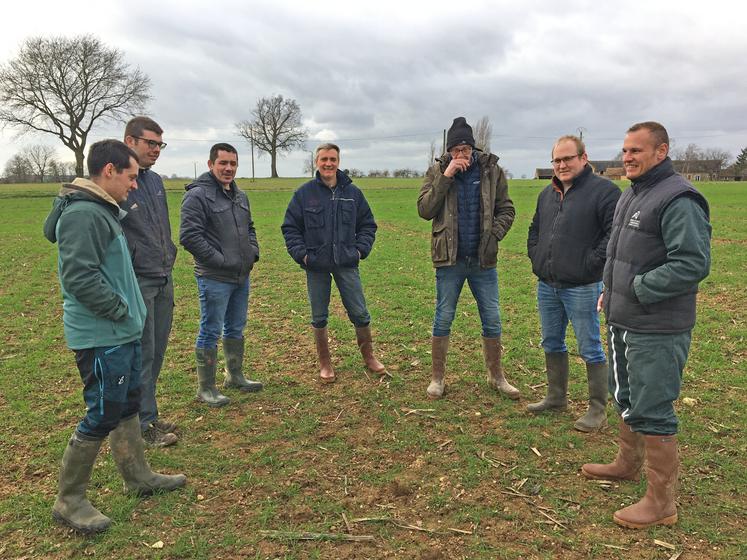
[121, 380]
[634, 220]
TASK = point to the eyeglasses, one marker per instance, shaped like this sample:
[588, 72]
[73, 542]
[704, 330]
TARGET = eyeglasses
[466, 150]
[152, 143]
[567, 159]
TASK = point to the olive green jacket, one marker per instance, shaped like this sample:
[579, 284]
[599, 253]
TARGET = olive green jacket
[438, 202]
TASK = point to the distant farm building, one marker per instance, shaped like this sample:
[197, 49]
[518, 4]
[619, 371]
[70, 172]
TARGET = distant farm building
[692, 170]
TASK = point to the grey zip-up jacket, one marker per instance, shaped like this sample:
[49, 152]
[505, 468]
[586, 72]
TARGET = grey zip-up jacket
[217, 228]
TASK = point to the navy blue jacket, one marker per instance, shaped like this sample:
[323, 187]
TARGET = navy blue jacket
[217, 228]
[333, 228]
[147, 227]
[468, 199]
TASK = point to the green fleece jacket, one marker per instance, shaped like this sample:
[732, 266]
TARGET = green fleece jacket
[102, 304]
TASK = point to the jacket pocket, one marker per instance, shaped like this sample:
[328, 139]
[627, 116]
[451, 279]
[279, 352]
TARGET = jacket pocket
[440, 244]
[314, 217]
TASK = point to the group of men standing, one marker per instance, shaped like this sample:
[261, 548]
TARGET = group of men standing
[641, 256]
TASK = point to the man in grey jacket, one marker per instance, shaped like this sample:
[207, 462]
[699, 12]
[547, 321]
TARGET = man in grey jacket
[659, 251]
[148, 231]
[217, 229]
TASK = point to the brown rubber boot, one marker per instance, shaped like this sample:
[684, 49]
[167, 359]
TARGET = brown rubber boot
[326, 373]
[596, 415]
[439, 348]
[365, 344]
[658, 506]
[491, 348]
[627, 465]
[556, 364]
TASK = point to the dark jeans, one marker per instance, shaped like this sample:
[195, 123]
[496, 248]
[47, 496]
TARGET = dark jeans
[111, 386]
[348, 281]
[645, 374]
[158, 295]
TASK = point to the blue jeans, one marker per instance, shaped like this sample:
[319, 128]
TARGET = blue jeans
[348, 281]
[223, 308]
[579, 305]
[111, 386]
[483, 282]
[158, 295]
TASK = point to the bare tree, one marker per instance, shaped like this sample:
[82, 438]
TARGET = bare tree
[308, 165]
[275, 128]
[39, 157]
[17, 169]
[63, 86]
[717, 154]
[432, 154]
[483, 130]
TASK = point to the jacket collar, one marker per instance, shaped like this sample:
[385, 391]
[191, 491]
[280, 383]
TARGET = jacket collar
[654, 175]
[578, 180]
[342, 180]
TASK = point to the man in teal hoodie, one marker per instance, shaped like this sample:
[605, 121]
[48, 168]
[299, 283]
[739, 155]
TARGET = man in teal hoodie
[103, 317]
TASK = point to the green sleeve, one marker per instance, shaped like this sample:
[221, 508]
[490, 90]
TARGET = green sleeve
[687, 237]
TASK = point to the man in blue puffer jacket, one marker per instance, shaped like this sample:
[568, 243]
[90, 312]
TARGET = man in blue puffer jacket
[329, 228]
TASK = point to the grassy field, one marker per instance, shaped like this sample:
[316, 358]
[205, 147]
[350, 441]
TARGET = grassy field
[456, 478]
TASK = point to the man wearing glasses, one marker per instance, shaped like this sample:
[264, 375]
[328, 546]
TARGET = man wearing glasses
[465, 194]
[148, 233]
[567, 245]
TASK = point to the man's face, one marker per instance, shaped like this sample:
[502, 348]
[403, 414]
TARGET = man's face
[120, 183]
[640, 153]
[224, 167]
[463, 151]
[147, 147]
[327, 162]
[566, 162]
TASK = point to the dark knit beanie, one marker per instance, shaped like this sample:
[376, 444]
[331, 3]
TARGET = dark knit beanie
[459, 133]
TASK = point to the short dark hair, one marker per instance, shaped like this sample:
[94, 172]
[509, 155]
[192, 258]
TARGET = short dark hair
[138, 125]
[326, 146]
[657, 131]
[221, 146]
[109, 151]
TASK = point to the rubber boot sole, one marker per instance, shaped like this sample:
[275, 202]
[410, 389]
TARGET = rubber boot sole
[82, 530]
[669, 520]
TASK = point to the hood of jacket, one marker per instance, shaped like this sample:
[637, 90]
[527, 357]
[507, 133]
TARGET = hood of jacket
[79, 189]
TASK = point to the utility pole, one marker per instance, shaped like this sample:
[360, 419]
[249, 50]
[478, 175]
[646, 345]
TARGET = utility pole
[443, 151]
[251, 140]
[581, 131]
[195, 164]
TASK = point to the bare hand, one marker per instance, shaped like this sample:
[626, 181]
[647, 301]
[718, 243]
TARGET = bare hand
[600, 302]
[456, 165]
[305, 257]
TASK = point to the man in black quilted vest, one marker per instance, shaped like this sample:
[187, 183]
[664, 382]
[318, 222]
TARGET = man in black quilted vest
[659, 250]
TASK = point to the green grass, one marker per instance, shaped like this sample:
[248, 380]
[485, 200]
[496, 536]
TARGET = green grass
[298, 455]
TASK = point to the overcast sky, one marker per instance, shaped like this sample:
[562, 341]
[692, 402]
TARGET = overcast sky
[384, 78]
